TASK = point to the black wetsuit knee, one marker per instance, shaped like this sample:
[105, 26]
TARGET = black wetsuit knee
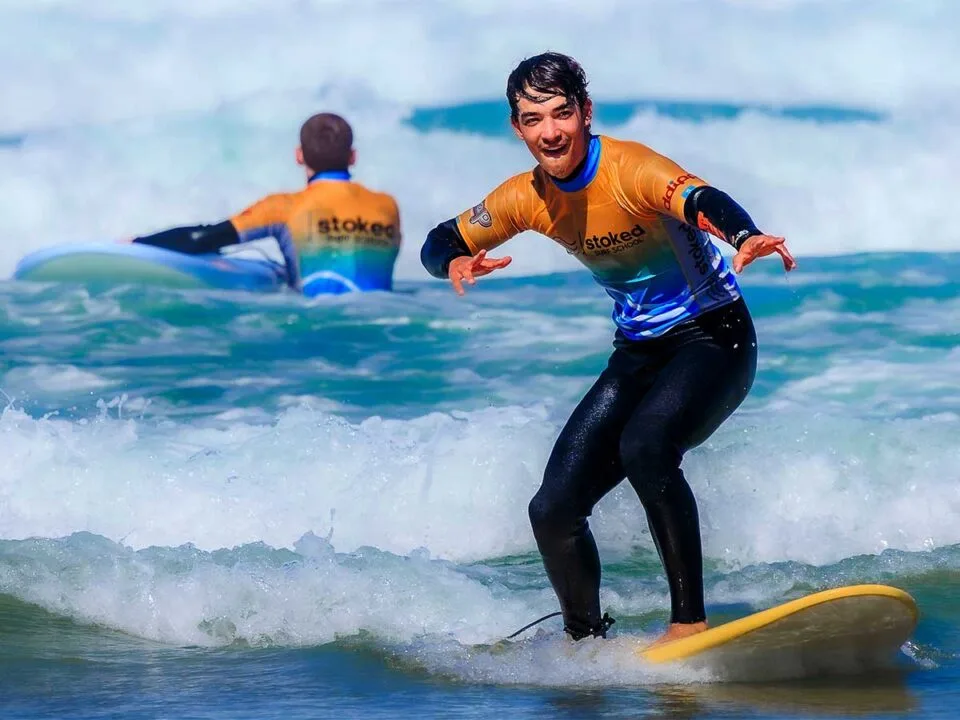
[652, 458]
[551, 519]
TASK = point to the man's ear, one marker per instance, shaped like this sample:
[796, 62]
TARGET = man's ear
[588, 113]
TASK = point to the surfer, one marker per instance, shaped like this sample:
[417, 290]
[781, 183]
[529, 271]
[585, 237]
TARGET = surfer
[685, 350]
[335, 235]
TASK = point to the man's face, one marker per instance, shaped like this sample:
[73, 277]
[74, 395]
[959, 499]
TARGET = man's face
[555, 130]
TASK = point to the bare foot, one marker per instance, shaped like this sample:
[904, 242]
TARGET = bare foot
[676, 631]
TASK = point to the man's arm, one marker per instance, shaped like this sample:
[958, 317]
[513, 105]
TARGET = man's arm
[444, 243]
[268, 218]
[717, 213]
[457, 248]
[194, 239]
[505, 212]
[262, 219]
[660, 185]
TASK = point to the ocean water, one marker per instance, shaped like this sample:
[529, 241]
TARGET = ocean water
[220, 505]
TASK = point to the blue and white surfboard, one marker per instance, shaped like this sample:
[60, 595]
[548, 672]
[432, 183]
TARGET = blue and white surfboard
[133, 263]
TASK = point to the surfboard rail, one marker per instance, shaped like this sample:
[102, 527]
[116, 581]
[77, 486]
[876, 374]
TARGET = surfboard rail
[722, 634]
[136, 264]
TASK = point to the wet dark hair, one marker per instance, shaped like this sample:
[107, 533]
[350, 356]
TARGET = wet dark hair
[326, 140]
[549, 73]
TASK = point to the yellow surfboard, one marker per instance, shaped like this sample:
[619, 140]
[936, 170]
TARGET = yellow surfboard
[843, 629]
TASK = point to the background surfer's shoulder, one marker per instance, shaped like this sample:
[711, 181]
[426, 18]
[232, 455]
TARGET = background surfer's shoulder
[269, 209]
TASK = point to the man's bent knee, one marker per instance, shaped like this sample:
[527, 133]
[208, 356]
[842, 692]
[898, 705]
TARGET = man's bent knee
[552, 519]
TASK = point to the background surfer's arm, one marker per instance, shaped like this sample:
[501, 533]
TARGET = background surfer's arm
[443, 244]
[194, 239]
[717, 213]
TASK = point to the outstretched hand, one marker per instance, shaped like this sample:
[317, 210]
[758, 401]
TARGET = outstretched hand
[469, 268]
[761, 246]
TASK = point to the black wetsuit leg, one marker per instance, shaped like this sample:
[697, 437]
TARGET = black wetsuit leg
[656, 399]
[583, 467]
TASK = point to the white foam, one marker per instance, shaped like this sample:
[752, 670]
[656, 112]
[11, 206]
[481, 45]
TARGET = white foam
[390, 484]
[775, 485]
[421, 611]
[51, 379]
[816, 489]
[258, 595]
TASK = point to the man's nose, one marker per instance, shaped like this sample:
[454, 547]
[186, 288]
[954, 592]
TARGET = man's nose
[551, 130]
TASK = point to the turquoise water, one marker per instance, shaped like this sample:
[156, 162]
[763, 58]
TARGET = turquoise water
[224, 505]
[489, 118]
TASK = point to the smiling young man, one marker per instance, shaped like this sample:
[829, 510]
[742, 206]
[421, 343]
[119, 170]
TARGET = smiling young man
[684, 350]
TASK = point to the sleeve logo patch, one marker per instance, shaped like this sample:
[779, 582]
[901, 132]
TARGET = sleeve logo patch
[481, 216]
[672, 188]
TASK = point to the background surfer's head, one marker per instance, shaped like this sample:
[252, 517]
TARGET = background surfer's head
[551, 110]
[326, 143]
